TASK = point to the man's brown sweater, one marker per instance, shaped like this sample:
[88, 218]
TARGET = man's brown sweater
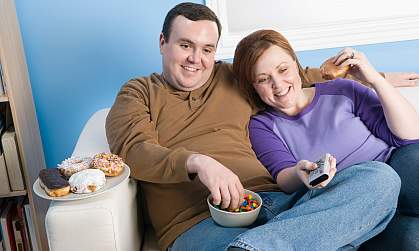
[155, 127]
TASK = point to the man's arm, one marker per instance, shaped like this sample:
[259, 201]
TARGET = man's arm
[131, 134]
[397, 79]
[402, 79]
[224, 185]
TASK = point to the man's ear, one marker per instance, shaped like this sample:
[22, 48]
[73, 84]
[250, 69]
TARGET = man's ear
[161, 41]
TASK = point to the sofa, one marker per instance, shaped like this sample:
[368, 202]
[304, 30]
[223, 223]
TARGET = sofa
[114, 219]
[110, 221]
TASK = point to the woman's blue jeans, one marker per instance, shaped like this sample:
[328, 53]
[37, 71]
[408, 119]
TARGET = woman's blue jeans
[356, 205]
[403, 231]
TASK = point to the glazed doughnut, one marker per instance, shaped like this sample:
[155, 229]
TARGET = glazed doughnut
[110, 164]
[73, 165]
[87, 181]
[53, 182]
[331, 71]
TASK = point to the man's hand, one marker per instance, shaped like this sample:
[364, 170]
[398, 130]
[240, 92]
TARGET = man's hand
[224, 185]
[402, 79]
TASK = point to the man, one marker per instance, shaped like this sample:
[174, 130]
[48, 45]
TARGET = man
[184, 135]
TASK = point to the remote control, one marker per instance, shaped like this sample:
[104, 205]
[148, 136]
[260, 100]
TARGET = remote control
[320, 174]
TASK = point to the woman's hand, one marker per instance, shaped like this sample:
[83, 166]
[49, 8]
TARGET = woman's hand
[304, 167]
[360, 66]
[401, 116]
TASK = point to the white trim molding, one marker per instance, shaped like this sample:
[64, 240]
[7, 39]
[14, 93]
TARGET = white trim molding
[385, 25]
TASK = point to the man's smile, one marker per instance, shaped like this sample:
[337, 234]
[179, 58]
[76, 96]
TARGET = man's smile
[188, 68]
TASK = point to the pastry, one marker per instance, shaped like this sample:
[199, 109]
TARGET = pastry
[87, 181]
[53, 182]
[73, 165]
[110, 164]
[331, 71]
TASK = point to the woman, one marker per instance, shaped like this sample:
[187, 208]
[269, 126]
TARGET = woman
[342, 117]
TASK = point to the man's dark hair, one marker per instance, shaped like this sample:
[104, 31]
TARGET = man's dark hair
[191, 11]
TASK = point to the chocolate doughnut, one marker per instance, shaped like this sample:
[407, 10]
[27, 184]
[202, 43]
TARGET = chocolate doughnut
[53, 182]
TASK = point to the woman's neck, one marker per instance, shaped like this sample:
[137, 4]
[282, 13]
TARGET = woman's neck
[304, 100]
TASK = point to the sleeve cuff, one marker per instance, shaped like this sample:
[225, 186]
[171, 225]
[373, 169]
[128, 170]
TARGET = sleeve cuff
[180, 166]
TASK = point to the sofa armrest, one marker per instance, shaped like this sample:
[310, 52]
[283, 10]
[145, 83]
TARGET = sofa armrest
[108, 221]
[92, 139]
[411, 94]
[105, 222]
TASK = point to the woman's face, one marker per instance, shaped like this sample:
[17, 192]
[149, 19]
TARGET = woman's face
[277, 80]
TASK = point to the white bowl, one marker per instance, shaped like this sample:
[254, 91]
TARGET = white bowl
[235, 219]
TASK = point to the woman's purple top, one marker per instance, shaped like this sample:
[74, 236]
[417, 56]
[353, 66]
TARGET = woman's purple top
[344, 119]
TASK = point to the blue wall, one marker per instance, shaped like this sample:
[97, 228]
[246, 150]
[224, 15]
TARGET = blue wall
[80, 52]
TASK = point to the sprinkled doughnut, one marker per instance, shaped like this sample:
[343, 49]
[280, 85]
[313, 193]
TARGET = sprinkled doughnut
[73, 165]
[110, 164]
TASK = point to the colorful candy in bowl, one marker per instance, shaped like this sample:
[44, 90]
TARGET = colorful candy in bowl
[243, 216]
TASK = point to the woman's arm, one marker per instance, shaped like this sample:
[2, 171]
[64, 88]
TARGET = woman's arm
[294, 178]
[402, 118]
[273, 153]
[288, 179]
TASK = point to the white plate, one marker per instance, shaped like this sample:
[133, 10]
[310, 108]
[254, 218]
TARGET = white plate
[111, 183]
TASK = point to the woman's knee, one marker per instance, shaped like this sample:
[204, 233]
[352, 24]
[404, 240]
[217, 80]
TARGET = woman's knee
[375, 179]
[381, 179]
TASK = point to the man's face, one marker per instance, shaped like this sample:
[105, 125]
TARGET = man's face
[188, 56]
